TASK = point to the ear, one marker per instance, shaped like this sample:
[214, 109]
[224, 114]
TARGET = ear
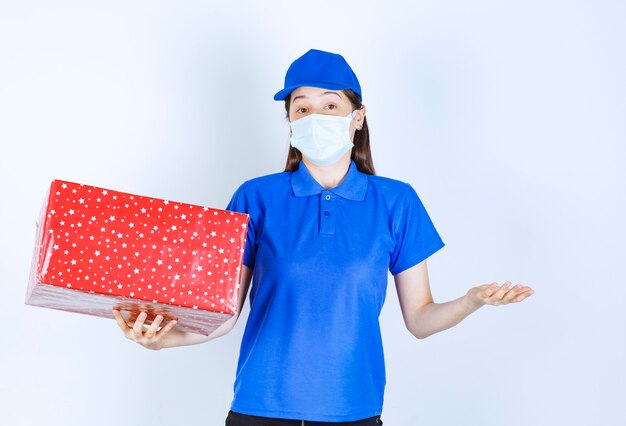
[360, 117]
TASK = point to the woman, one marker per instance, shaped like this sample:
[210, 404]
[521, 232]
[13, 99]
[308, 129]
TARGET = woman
[322, 237]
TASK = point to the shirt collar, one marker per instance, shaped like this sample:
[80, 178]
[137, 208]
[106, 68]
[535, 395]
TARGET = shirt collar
[353, 186]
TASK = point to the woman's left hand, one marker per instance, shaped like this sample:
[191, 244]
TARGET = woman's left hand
[492, 294]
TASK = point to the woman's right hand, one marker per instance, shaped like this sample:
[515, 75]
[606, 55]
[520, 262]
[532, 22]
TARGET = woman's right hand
[149, 338]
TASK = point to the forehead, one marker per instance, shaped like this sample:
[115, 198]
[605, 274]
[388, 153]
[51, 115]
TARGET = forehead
[316, 93]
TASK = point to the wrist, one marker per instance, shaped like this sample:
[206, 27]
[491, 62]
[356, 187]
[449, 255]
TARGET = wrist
[470, 302]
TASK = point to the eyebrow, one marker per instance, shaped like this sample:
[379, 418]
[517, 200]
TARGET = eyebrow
[325, 93]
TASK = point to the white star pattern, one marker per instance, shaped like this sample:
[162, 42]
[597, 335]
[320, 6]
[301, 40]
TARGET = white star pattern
[133, 257]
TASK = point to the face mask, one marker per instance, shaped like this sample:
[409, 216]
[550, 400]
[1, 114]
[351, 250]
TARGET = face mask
[323, 139]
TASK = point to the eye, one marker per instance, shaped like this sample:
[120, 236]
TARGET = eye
[301, 110]
[332, 105]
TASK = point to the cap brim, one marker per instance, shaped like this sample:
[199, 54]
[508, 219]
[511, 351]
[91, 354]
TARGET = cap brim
[282, 94]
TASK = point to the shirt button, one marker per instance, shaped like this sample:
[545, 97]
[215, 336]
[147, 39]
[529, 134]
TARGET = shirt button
[326, 212]
[328, 197]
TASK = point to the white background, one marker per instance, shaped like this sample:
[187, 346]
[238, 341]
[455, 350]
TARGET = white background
[507, 118]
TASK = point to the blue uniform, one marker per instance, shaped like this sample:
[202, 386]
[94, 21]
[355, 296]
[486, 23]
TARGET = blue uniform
[312, 348]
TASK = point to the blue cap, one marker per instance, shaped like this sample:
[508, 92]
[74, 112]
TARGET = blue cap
[318, 68]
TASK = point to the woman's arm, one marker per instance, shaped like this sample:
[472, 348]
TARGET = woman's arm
[423, 317]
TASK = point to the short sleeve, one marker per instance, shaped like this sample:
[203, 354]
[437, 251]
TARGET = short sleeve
[415, 235]
[239, 203]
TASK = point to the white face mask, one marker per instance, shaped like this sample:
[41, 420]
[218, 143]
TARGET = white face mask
[323, 139]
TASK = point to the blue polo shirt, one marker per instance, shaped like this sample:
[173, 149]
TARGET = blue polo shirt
[312, 348]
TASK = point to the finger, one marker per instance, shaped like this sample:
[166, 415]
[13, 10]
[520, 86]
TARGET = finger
[167, 328]
[138, 326]
[516, 291]
[120, 320]
[496, 298]
[512, 293]
[154, 326]
[523, 295]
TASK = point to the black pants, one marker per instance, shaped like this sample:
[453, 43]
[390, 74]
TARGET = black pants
[239, 419]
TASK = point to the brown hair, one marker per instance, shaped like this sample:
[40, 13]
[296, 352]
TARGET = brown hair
[361, 153]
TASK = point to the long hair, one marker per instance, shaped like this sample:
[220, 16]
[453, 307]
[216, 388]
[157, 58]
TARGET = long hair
[361, 153]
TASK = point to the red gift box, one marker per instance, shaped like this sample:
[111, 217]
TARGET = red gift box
[97, 249]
